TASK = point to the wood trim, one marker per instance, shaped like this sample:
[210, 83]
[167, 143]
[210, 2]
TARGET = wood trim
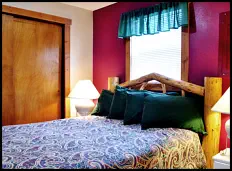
[67, 69]
[185, 50]
[8, 96]
[66, 47]
[112, 82]
[158, 87]
[127, 42]
[154, 87]
[164, 88]
[143, 86]
[212, 120]
[182, 93]
[35, 15]
[189, 87]
[184, 53]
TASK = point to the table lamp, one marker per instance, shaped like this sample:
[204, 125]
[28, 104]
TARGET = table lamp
[223, 106]
[84, 91]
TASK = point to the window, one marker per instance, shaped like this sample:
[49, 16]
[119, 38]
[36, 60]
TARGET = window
[165, 53]
[160, 53]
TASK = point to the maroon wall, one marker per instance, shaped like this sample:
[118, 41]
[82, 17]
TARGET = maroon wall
[109, 50]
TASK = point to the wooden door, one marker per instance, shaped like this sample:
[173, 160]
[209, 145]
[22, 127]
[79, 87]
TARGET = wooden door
[31, 71]
[8, 105]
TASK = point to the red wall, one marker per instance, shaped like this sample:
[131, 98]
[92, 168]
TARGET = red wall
[109, 50]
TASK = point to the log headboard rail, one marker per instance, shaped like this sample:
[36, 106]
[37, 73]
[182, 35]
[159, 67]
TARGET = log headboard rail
[211, 91]
[184, 85]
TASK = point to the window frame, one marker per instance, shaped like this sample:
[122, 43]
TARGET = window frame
[184, 60]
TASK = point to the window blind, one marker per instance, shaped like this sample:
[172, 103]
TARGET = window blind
[160, 53]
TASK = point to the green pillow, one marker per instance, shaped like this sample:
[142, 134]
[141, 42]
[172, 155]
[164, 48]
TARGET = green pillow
[134, 106]
[118, 105]
[104, 103]
[172, 111]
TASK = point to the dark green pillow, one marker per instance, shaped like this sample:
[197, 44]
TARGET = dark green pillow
[118, 104]
[134, 106]
[172, 111]
[104, 103]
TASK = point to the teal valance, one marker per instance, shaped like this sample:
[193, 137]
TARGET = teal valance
[153, 19]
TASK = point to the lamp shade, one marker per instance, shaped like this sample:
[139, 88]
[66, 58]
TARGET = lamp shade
[223, 104]
[84, 89]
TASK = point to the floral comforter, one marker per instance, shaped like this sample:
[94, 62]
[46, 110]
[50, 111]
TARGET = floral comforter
[97, 142]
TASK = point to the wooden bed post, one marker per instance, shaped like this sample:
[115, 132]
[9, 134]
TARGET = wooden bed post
[213, 92]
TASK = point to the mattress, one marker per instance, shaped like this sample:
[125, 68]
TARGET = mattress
[97, 142]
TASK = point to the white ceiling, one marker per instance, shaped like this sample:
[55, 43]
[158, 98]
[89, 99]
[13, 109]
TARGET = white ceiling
[89, 5]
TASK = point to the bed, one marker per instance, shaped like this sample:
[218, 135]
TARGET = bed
[97, 142]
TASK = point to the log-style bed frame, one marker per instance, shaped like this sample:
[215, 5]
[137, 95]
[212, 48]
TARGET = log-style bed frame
[211, 91]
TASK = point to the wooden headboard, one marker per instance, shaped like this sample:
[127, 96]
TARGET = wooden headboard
[211, 91]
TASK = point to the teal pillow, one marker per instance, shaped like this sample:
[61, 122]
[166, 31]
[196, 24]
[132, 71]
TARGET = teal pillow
[118, 104]
[104, 103]
[172, 111]
[134, 106]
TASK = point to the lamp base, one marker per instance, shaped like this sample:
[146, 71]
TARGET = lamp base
[84, 107]
[226, 152]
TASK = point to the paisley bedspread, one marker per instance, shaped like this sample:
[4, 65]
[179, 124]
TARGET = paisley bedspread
[97, 142]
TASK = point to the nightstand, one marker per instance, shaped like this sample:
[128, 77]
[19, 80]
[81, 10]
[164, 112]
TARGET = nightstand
[222, 161]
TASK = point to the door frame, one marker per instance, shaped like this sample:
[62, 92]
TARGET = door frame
[65, 58]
